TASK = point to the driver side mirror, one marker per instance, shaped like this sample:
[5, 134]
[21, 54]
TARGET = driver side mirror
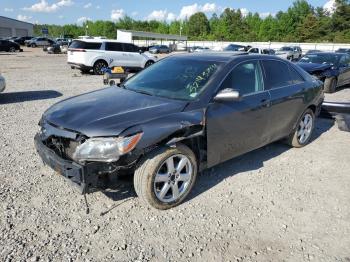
[227, 94]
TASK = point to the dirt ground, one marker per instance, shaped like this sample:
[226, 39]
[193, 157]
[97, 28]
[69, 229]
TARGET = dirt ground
[273, 204]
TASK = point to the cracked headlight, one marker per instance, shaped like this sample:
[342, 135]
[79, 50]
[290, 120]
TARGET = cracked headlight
[105, 149]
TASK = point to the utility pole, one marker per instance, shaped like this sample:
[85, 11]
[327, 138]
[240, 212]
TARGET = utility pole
[86, 29]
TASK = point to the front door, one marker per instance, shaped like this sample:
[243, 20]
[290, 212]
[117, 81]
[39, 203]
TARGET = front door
[237, 127]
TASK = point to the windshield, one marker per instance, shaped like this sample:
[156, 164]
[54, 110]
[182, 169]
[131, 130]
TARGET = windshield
[285, 48]
[174, 78]
[331, 59]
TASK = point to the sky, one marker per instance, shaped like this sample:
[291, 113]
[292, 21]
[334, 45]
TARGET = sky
[77, 11]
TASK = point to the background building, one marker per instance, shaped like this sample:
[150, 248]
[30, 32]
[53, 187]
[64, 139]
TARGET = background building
[12, 27]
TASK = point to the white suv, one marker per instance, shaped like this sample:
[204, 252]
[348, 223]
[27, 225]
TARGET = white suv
[97, 54]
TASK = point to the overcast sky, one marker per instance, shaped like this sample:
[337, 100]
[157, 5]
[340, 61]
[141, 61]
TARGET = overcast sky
[77, 11]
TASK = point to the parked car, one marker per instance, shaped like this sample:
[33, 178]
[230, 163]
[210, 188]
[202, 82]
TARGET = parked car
[159, 49]
[39, 41]
[262, 51]
[181, 115]
[313, 51]
[9, 46]
[97, 54]
[234, 47]
[62, 41]
[193, 49]
[2, 83]
[343, 50]
[290, 52]
[331, 68]
[22, 39]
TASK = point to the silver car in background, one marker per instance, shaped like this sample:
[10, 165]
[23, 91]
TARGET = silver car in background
[290, 52]
[2, 83]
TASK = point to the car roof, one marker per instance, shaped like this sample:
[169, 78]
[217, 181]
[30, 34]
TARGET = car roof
[224, 57]
[99, 40]
[328, 53]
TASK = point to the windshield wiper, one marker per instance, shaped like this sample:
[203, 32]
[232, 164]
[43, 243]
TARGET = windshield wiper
[142, 92]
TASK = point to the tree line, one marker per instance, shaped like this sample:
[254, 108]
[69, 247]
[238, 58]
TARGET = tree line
[300, 23]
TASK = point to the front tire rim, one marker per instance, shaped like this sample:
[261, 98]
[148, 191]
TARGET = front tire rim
[173, 178]
[305, 128]
[12, 49]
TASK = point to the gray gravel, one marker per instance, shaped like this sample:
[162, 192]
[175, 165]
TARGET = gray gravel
[273, 204]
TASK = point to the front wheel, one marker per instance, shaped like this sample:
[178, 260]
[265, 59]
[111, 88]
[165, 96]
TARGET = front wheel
[165, 176]
[12, 49]
[302, 135]
[33, 45]
[330, 85]
[149, 63]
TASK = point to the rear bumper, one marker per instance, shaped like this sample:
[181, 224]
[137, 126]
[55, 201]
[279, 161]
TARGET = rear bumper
[79, 66]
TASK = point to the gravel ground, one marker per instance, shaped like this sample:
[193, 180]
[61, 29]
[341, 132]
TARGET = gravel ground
[273, 204]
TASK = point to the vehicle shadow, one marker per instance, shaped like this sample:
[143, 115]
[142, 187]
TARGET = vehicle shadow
[123, 189]
[18, 97]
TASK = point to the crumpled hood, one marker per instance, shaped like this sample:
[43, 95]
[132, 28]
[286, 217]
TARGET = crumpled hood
[109, 111]
[313, 67]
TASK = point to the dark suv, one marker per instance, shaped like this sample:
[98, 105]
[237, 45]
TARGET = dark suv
[177, 117]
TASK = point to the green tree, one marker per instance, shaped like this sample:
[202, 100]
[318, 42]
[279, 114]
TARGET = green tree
[198, 26]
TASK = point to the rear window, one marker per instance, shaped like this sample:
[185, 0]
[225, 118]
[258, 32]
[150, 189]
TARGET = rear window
[85, 45]
[277, 74]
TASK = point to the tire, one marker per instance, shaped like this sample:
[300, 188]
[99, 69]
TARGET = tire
[305, 127]
[330, 85]
[12, 49]
[149, 63]
[33, 45]
[97, 68]
[155, 166]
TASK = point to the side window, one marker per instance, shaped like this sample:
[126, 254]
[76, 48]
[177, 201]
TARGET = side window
[276, 74]
[113, 46]
[296, 77]
[92, 46]
[345, 60]
[246, 78]
[129, 48]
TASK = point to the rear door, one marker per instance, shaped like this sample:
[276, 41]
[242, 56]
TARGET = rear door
[236, 127]
[286, 87]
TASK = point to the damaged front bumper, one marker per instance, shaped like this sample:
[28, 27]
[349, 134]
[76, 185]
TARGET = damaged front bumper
[85, 177]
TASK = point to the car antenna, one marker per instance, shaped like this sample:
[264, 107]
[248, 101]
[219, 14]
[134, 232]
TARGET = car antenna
[86, 204]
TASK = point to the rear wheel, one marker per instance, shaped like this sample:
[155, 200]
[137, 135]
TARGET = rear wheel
[330, 85]
[98, 66]
[302, 135]
[165, 176]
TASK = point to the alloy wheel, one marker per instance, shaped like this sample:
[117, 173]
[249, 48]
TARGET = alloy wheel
[98, 67]
[173, 178]
[305, 128]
